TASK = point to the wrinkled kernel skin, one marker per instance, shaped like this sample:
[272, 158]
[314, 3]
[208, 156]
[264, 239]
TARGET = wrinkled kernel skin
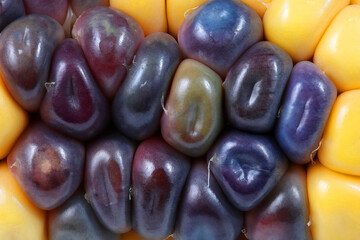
[80, 6]
[193, 116]
[254, 87]
[47, 165]
[75, 220]
[10, 10]
[137, 105]
[218, 32]
[246, 166]
[284, 213]
[158, 175]
[204, 212]
[26, 48]
[107, 180]
[306, 106]
[73, 104]
[109, 39]
[56, 9]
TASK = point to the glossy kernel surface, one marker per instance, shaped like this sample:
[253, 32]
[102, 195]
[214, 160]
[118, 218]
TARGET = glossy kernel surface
[151, 15]
[20, 218]
[109, 39]
[341, 41]
[333, 199]
[284, 213]
[26, 48]
[246, 166]
[297, 25]
[192, 118]
[137, 106]
[13, 120]
[204, 206]
[55, 9]
[177, 11]
[10, 11]
[73, 103]
[158, 176]
[339, 149]
[254, 86]
[306, 106]
[108, 179]
[47, 165]
[76, 220]
[218, 32]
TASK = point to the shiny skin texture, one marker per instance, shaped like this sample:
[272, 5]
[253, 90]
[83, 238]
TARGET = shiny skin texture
[10, 10]
[137, 105]
[80, 6]
[107, 179]
[75, 220]
[254, 87]
[334, 204]
[109, 39]
[340, 150]
[151, 15]
[73, 104]
[20, 218]
[13, 120]
[56, 9]
[204, 212]
[284, 213]
[192, 118]
[297, 25]
[218, 32]
[246, 166]
[158, 175]
[341, 41]
[26, 48]
[178, 10]
[47, 165]
[306, 106]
